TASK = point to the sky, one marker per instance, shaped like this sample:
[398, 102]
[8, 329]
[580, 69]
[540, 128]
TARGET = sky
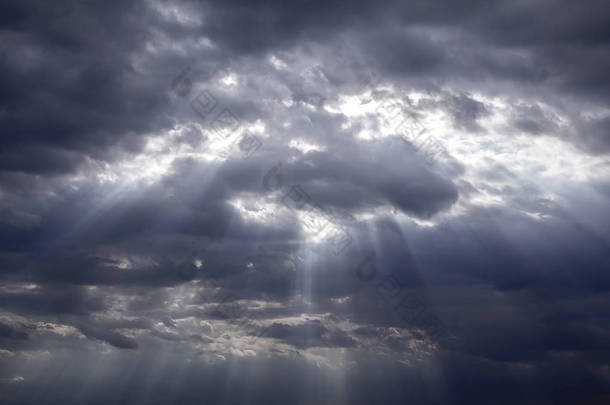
[304, 202]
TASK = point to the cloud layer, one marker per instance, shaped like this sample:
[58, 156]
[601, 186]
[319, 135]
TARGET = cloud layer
[304, 202]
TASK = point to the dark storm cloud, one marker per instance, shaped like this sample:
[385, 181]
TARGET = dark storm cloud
[178, 285]
[309, 334]
[354, 182]
[52, 300]
[88, 95]
[113, 338]
[9, 332]
[70, 93]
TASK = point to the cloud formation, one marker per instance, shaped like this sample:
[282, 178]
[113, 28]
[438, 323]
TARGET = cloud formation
[317, 202]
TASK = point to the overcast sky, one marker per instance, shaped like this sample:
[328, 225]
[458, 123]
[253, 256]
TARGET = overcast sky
[303, 202]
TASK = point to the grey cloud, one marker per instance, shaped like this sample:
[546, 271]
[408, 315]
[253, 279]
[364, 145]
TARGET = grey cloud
[9, 332]
[309, 334]
[113, 338]
[533, 120]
